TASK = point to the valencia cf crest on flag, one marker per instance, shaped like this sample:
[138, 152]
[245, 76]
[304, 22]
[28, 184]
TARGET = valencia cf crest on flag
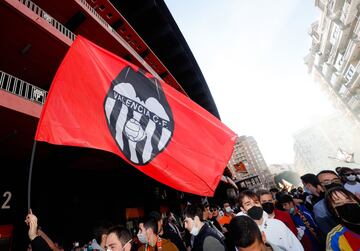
[138, 115]
[99, 100]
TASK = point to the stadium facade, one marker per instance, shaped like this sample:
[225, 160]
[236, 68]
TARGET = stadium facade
[75, 188]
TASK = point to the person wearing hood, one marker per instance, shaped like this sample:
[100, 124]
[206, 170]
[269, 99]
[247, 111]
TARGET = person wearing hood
[204, 237]
[345, 206]
[275, 231]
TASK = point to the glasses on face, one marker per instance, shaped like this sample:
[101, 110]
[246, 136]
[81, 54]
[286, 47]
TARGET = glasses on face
[328, 182]
[348, 174]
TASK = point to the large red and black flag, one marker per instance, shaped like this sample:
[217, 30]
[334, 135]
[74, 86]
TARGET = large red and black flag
[99, 100]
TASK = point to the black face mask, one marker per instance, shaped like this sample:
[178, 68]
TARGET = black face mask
[349, 215]
[255, 212]
[331, 185]
[268, 207]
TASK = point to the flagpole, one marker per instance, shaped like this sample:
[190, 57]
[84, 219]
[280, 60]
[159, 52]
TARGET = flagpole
[30, 175]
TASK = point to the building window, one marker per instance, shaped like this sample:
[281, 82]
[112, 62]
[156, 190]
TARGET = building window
[350, 73]
[335, 34]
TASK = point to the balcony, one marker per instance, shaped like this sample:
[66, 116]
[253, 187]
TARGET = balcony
[334, 7]
[349, 11]
[352, 53]
[354, 102]
[327, 71]
[22, 89]
[355, 84]
[18, 95]
[336, 80]
[313, 31]
[46, 28]
[344, 93]
[356, 31]
[319, 59]
[320, 4]
[338, 37]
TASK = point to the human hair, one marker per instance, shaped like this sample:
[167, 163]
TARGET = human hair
[310, 178]
[122, 233]
[327, 171]
[151, 223]
[244, 231]
[99, 231]
[263, 192]
[155, 215]
[213, 206]
[337, 169]
[140, 220]
[248, 193]
[330, 197]
[344, 170]
[274, 190]
[285, 198]
[194, 210]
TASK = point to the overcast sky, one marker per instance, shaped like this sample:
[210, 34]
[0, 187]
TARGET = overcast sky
[251, 55]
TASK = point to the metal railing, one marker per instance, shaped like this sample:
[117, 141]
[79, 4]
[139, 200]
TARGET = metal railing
[93, 11]
[40, 12]
[22, 89]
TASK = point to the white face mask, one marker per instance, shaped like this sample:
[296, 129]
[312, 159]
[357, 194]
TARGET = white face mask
[228, 209]
[142, 238]
[194, 231]
[351, 177]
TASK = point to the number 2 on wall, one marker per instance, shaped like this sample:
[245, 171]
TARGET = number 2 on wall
[7, 196]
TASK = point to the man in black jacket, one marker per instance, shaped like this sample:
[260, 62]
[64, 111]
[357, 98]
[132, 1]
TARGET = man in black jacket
[205, 238]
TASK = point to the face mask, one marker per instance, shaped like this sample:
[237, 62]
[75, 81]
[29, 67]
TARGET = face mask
[123, 248]
[142, 238]
[351, 177]
[255, 213]
[228, 209]
[292, 210]
[268, 207]
[358, 176]
[194, 231]
[349, 215]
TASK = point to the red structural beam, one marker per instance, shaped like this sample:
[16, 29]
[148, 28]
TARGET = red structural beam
[19, 104]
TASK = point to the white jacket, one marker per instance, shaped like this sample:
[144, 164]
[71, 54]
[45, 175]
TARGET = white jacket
[277, 233]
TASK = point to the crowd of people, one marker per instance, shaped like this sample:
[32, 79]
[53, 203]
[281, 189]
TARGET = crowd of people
[324, 214]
